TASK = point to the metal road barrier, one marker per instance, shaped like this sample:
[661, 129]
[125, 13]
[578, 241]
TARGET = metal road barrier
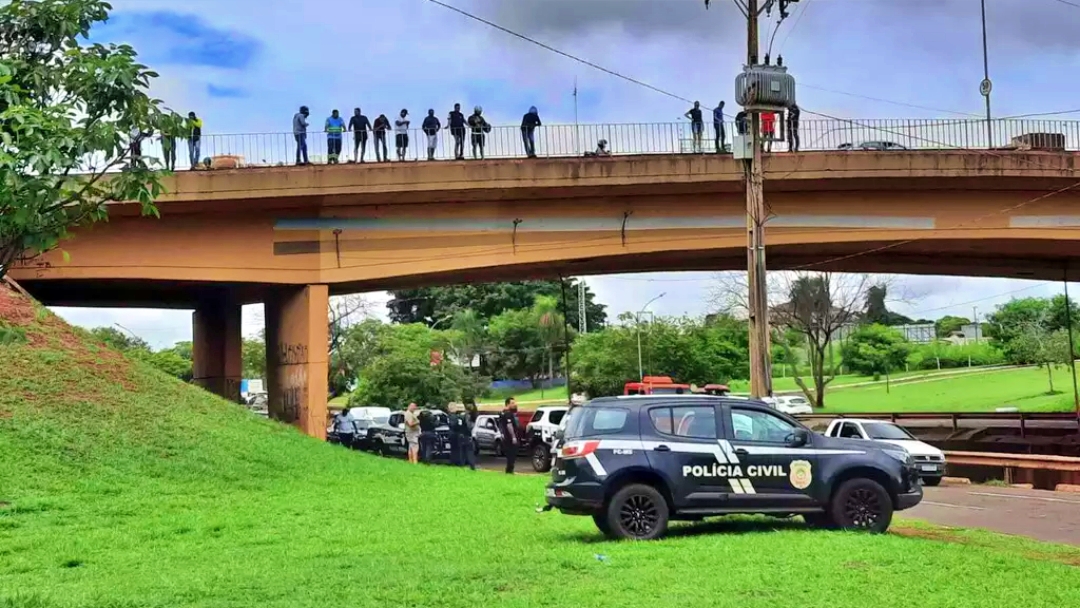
[273, 149]
[1009, 418]
[1014, 461]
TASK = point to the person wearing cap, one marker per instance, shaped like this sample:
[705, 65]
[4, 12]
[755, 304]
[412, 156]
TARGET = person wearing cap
[335, 129]
[479, 127]
[529, 122]
[299, 129]
[431, 126]
[401, 134]
[456, 122]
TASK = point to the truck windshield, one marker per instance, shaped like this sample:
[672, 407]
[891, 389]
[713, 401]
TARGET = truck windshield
[884, 430]
[589, 421]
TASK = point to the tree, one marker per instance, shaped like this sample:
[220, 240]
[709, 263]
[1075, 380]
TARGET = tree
[873, 350]
[66, 114]
[1014, 318]
[436, 305]
[945, 326]
[473, 336]
[253, 355]
[1035, 344]
[344, 311]
[120, 340]
[818, 307]
[877, 311]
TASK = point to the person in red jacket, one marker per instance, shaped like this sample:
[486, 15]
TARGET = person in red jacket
[768, 129]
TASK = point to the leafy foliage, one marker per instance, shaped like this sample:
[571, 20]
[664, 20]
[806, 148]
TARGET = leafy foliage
[436, 305]
[689, 350]
[68, 112]
[873, 350]
[878, 312]
[943, 355]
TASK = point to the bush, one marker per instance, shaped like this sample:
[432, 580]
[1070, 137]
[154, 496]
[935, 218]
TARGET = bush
[926, 356]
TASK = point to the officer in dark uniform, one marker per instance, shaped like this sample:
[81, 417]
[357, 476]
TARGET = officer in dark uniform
[461, 450]
[510, 429]
[428, 437]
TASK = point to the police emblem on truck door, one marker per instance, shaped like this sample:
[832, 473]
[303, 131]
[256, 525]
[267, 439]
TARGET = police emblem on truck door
[800, 474]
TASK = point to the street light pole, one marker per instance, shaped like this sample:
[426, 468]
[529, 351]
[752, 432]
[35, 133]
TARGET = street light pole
[986, 85]
[637, 317]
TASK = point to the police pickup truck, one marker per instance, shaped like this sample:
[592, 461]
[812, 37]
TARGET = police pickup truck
[634, 463]
[389, 437]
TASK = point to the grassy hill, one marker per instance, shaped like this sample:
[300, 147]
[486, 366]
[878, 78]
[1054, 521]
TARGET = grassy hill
[121, 487]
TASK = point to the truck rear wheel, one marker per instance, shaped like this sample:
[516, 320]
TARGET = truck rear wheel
[861, 504]
[636, 512]
[541, 458]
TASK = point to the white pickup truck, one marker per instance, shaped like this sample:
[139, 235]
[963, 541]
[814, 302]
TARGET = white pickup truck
[930, 460]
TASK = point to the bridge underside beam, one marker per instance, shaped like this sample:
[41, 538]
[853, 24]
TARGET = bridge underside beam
[297, 358]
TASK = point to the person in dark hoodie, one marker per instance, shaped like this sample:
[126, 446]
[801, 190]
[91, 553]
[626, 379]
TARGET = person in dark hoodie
[480, 128]
[431, 126]
[456, 122]
[381, 128]
[529, 122]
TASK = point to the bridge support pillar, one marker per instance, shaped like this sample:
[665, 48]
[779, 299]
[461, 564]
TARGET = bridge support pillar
[217, 363]
[297, 356]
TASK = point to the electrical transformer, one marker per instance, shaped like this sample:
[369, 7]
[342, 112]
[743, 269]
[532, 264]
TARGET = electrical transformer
[765, 88]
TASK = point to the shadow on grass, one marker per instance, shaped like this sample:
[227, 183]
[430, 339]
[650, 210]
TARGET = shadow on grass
[716, 526]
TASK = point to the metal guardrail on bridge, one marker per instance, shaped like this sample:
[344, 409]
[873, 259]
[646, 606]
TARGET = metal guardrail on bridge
[273, 149]
[1039, 462]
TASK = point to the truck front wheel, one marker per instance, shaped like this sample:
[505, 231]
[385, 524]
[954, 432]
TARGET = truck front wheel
[861, 504]
[541, 458]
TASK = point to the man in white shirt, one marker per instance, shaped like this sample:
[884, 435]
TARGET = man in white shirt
[401, 131]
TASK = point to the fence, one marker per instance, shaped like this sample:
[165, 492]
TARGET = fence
[272, 149]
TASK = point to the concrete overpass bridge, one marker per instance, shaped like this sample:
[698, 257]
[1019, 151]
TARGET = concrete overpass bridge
[291, 237]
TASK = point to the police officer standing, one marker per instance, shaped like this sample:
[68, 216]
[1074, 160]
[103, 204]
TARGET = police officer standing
[427, 435]
[509, 427]
[461, 450]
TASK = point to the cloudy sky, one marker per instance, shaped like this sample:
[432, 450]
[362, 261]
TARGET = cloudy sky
[245, 65]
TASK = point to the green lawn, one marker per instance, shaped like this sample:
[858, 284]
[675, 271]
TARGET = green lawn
[121, 487]
[1025, 389]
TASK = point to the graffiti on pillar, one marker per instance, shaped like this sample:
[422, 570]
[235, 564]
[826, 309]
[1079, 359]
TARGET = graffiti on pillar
[291, 354]
[293, 393]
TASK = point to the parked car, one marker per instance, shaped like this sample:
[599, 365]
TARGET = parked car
[362, 419]
[873, 146]
[929, 460]
[486, 435]
[389, 438]
[793, 405]
[540, 433]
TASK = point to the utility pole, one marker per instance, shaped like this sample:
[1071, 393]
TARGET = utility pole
[975, 320]
[583, 323]
[985, 86]
[1072, 352]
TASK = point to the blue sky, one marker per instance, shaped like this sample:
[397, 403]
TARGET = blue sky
[246, 65]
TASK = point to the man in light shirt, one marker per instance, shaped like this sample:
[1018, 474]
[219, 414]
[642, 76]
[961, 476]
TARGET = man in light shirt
[412, 433]
[401, 132]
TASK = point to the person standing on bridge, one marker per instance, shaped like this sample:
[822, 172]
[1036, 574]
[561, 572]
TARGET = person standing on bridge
[697, 125]
[718, 128]
[401, 131]
[456, 122]
[194, 131]
[335, 131]
[381, 128]
[431, 126]
[479, 128]
[768, 129]
[793, 128]
[359, 125]
[299, 129]
[529, 122]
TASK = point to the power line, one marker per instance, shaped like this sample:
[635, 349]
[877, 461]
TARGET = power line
[798, 19]
[1068, 3]
[920, 313]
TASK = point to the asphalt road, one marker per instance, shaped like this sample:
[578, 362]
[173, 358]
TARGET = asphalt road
[1047, 516]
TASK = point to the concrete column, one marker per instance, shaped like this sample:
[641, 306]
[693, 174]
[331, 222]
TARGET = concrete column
[217, 352]
[297, 356]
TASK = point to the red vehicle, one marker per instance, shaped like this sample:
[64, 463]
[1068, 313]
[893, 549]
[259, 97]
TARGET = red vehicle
[656, 385]
[716, 389]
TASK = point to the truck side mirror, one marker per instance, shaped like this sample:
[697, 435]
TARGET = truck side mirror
[798, 438]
